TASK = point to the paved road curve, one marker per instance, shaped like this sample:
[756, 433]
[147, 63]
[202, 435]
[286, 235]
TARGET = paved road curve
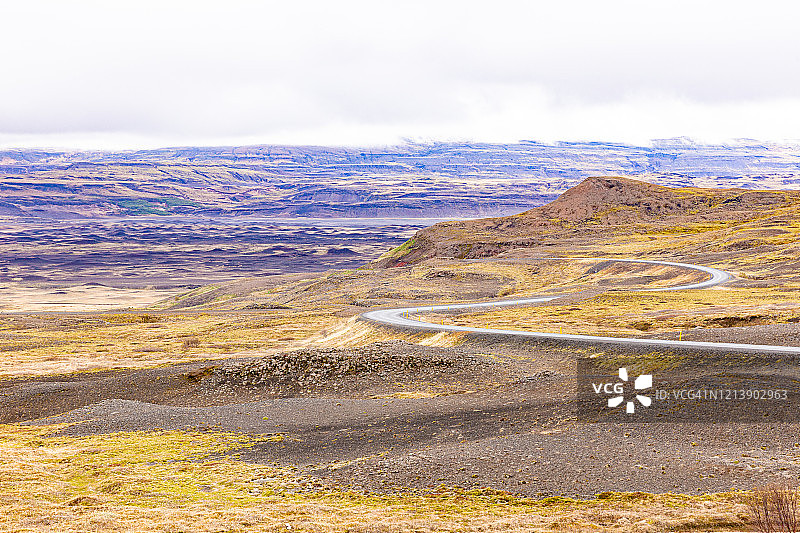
[404, 317]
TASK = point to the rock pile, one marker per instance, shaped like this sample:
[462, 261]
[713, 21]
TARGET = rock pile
[309, 367]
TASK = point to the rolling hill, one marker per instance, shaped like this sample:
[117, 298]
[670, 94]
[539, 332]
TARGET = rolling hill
[618, 215]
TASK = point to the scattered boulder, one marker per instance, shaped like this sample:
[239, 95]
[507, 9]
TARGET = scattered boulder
[310, 367]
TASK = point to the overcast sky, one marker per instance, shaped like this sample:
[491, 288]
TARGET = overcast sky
[127, 74]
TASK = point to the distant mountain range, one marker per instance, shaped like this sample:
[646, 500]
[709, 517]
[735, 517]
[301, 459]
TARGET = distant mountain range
[458, 180]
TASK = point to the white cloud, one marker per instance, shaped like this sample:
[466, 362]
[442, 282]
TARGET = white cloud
[144, 73]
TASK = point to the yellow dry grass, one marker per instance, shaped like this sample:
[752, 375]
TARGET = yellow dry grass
[354, 332]
[15, 297]
[175, 481]
[631, 313]
[50, 344]
[754, 246]
[321, 316]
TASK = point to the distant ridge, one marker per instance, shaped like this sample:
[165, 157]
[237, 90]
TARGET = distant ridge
[431, 180]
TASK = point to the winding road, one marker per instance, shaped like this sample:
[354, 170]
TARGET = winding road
[403, 317]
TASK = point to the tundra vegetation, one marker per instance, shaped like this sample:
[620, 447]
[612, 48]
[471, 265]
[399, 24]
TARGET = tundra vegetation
[169, 480]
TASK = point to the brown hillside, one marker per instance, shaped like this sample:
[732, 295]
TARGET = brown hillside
[597, 207]
[606, 196]
[618, 200]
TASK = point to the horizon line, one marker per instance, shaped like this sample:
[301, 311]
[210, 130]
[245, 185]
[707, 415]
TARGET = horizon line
[651, 143]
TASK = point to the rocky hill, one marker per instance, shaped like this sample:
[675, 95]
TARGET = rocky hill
[616, 200]
[600, 208]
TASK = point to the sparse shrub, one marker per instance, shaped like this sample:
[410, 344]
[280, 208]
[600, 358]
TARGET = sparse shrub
[191, 342]
[227, 348]
[131, 318]
[506, 290]
[199, 374]
[774, 508]
[149, 349]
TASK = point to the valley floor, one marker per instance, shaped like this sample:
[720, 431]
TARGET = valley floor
[266, 405]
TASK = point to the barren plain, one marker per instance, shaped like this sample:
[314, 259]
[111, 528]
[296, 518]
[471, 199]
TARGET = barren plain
[263, 403]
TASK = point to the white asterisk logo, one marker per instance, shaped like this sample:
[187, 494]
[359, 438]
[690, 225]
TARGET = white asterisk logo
[645, 381]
